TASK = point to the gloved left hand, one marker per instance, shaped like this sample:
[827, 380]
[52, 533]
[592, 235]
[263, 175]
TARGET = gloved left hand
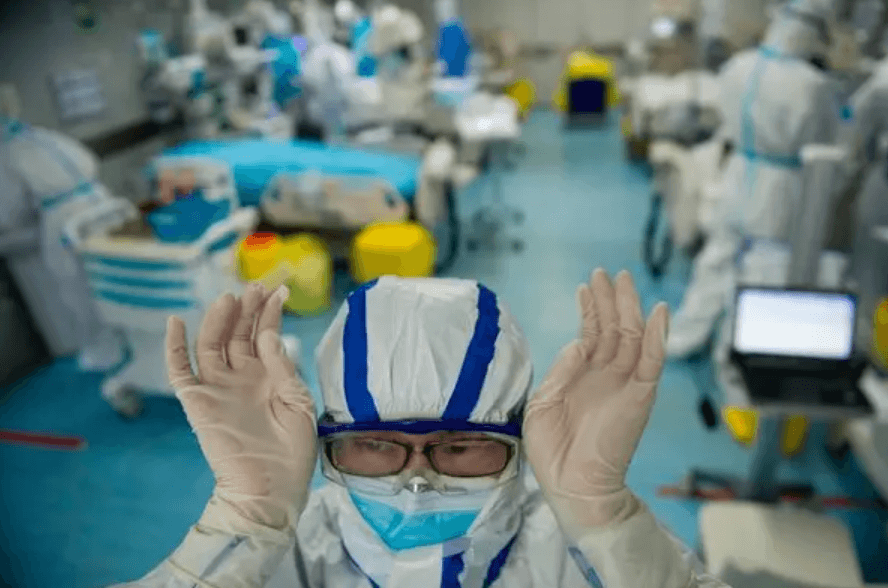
[584, 422]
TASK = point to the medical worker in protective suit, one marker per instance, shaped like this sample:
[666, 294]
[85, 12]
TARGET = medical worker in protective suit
[775, 100]
[47, 175]
[427, 425]
[868, 144]
[359, 32]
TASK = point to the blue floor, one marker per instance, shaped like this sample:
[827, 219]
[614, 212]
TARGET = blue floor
[111, 512]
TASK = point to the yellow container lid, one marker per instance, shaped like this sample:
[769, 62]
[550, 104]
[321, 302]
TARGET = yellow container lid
[581, 63]
[392, 237]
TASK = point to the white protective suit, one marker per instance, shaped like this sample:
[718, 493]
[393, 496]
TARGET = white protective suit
[869, 107]
[774, 102]
[407, 350]
[59, 176]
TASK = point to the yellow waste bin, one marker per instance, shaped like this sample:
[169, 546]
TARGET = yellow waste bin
[880, 335]
[258, 255]
[302, 263]
[582, 65]
[743, 424]
[405, 249]
[523, 92]
[309, 274]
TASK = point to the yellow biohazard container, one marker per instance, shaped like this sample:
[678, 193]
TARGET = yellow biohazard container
[582, 65]
[743, 424]
[405, 249]
[523, 92]
[880, 335]
[308, 269]
[302, 263]
[258, 255]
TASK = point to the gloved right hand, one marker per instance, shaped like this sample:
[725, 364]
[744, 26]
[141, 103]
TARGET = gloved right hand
[253, 416]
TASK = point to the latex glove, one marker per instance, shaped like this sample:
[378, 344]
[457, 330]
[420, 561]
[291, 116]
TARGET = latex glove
[584, 423]
[253, 416]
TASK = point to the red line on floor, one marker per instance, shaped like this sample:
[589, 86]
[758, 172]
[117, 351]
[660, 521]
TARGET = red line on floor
[43, 440]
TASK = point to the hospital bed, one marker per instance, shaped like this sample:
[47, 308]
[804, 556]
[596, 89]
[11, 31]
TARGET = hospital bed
[682, 108]
[685, 199]
[424, 184]
[674, 118]
[137, 282]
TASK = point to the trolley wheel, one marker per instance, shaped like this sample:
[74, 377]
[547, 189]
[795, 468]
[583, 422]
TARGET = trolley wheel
[708, 413]
[124, 400]
[472, 245]
[449, 245]
[656, 258]
[517, 246]
[696, 247]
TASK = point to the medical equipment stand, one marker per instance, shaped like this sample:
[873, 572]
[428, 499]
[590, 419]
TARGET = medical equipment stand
[820, 165]
[491, 222]
[802, 548]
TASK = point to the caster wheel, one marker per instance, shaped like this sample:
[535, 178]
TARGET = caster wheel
[517, 246]
[125, 402]
[472, 245]
[708, 414]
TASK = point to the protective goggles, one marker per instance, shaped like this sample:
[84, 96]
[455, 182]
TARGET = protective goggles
[366, 462]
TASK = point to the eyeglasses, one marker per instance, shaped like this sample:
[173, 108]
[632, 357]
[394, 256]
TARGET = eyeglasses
[374, 465]
[362, 455]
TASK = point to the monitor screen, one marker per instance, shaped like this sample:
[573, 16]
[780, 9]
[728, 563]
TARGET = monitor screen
[816, 325]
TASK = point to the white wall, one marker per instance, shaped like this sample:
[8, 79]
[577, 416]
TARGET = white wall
[561, 22]
[39, 39]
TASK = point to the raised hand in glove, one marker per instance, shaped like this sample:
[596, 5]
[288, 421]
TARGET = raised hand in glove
[583, 424]
[253, 416]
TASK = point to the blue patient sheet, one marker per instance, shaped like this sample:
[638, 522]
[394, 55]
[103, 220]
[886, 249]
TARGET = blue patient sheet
[256, 162]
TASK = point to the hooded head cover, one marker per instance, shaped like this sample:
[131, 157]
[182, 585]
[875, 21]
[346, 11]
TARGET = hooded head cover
[420, 355]
[801, 28]
[423, 355]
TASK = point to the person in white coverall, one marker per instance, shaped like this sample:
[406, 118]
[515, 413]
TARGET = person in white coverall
[50, 176]
[427, 428]
[868, 144]
[774, 102]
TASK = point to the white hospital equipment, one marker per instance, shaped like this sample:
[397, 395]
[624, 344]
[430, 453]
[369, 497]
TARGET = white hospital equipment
[749, 545]
[137, 283]
[493, 120]
[310, 200]
[685, 198]
[677, 115]
[683, 107]
[224, 84]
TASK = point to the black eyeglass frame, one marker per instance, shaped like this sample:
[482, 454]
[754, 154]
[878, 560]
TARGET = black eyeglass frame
[511, 448]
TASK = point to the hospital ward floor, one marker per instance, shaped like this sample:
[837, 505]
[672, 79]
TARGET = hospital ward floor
[112, 511]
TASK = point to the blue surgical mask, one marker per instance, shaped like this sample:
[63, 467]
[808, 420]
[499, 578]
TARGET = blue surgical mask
[418, 519]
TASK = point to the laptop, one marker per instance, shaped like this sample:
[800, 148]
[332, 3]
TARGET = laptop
[796, 348]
